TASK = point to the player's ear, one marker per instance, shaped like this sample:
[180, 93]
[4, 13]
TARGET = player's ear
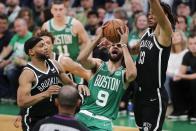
[31, 52]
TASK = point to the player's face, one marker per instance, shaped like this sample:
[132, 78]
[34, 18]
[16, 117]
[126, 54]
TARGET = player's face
[49, 44]
[115, 52]
[152, 22]
[192, 45]
[41, 50]
[58, 10]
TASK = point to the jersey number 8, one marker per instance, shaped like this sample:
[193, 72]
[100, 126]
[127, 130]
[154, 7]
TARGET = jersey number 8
[141, 58]
[102, 98]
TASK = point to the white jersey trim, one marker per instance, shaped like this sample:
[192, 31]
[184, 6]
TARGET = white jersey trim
[25, 118]
[160, 110]
[159, 61]
[27, 68]
[41, 70]
[54, 65]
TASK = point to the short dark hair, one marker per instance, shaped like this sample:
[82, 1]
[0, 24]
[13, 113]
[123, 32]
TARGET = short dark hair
[90, 13]
[3, 17]
[30, 43]
[57, 2]
[46, 33]
[192, 35]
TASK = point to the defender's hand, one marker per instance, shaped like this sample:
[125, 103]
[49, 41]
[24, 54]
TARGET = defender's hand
[83, 89]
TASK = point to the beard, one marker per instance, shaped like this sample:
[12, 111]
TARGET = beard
[115, 58]
[42, 57]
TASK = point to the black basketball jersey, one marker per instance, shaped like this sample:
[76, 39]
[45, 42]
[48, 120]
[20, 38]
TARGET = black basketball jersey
[151, 64]
[43, 81]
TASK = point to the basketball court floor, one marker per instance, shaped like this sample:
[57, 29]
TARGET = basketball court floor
[8, 114]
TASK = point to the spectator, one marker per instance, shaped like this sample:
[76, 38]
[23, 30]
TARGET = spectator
[141, 24]
[68, 100]
[101, 14]
[87, 5]
[92, 23]
[2, 8]
[5, 36]
[109, 7]
[181, 24]
[13, 66]
[12, 10]
[183, 9]
[26, 14]
[189, 65]
[37, 7]
[178, 89]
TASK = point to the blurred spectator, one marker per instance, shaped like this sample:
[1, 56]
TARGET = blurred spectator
[2, 8]
[181, 24]
[87, 5]
[101, 14]
[178, 89]
[193, 24]
[12, 10]
[121, 14]
[45, 15]
[5, 36]
[26, 14]
[141, 24]
[37, 7]
[136, 8]
[109, 7]
[92, 23]
[183, 9]
[13, 66]
[69, 11]
[189, 65]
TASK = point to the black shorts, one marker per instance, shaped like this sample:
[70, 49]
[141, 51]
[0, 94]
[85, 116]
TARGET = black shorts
[29, 122]
[150, 112]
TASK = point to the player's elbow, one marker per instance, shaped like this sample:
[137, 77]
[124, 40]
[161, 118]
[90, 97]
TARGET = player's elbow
[131, 75]
[20, 103]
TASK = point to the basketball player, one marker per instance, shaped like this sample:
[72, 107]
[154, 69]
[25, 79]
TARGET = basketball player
[38, 83]
[151, 97]
[67, 101]
[70, 66]
[108, 83]
[69, 33]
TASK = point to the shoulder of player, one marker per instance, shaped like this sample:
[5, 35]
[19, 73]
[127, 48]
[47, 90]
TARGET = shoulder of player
[45, 25]
[27, 74]
[77, 23]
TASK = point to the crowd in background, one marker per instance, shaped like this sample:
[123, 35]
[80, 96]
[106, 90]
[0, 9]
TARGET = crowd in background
[21, 19]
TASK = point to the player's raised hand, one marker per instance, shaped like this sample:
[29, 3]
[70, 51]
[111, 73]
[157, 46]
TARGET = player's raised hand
[52, 90]
[123, 32]
[104, 43]
[83, 89]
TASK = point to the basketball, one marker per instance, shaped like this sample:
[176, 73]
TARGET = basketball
[110, 30]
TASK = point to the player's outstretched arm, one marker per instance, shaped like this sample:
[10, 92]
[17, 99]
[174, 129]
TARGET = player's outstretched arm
[131, 71]
[84, 56]
[24, 97]
[71, 66]
[165, 26]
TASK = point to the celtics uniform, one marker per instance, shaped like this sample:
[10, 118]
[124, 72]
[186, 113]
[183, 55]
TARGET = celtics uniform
[66, 43]
[101, 106]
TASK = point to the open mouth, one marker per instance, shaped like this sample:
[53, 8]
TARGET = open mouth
[114, 52]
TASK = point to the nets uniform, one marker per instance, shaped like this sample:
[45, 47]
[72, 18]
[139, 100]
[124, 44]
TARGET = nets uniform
[101, 106]
[151, 97]
[45, 107]
[66, 43]
[59, 123]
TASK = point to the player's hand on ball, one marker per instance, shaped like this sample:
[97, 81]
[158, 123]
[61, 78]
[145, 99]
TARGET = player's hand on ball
[83, 89]
[123, 35]
[104, 43]
[99, 33]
